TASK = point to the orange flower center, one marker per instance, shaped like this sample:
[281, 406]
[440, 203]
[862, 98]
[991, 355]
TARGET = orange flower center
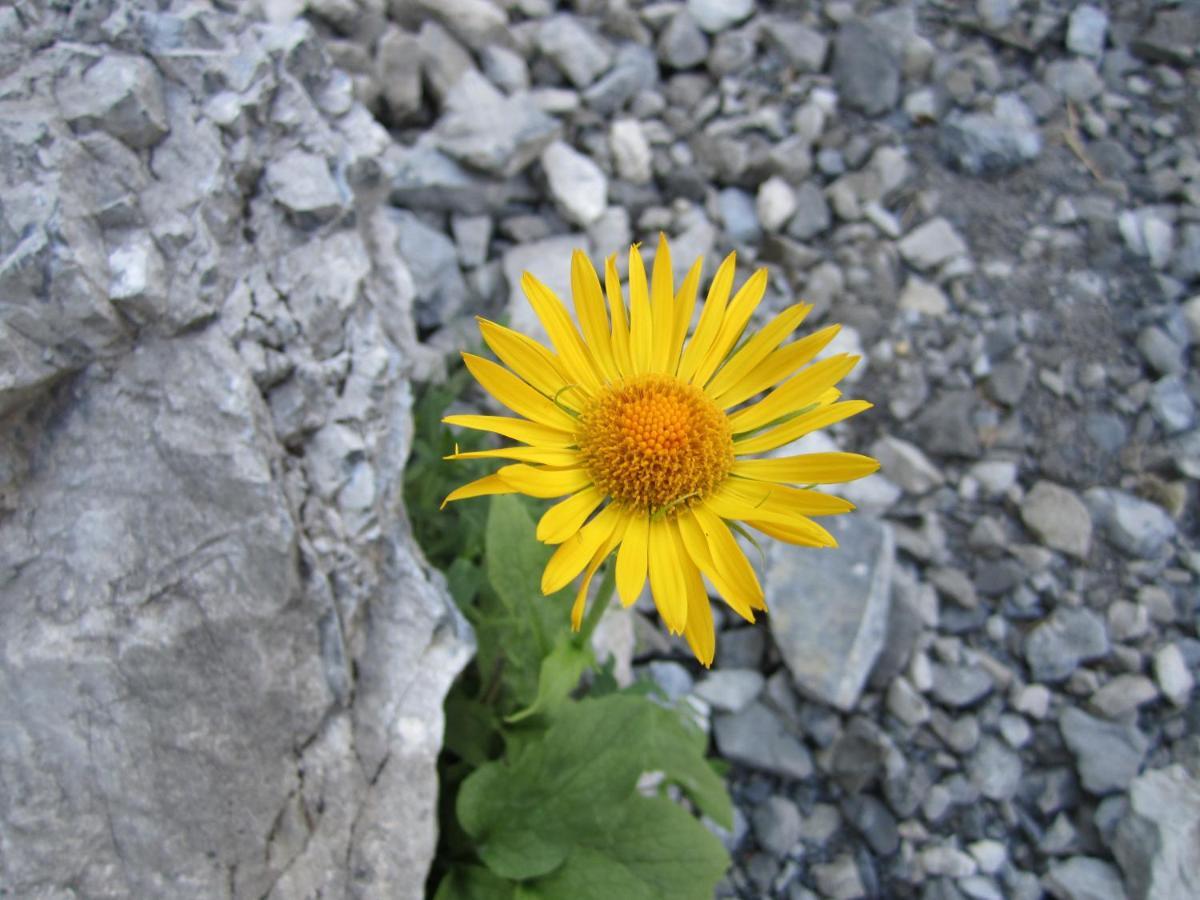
[653, 443]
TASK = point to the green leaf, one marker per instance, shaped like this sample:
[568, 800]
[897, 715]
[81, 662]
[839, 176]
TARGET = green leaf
[559, 675]
[470, 728]
[473, 883]
[514, 621]
[563, 790]
[653, 851]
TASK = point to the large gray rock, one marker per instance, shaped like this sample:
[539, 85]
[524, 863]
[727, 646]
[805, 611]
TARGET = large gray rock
[222, 665]
[829, 608]
[1158, 841]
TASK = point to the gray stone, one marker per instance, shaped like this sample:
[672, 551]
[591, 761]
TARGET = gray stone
[1186, 260]
[682, 45]
[1058, 645]
[432, 259]
[905, 464]
[991, 143]
[1059, 518]
[425, 178]
[873, 821]
[1171, 38]
[960, 686]
[866, 69]
[302, 184]
[398, 60]
[812, 213]
[443, 59]
[730, 690]
[804, 48]
[738, 215]
[1138, 527]
[839, 879]
[1172, 405]
[631, 151]
[576, 183]
[505, 68]
[924, 298]
[1075, 79]
[995, 769]
[1173, 675]
[906, 703]
[472, 236]
[942, 859]
[1084, 878]
[634, 69]
[483, 128]
[830, 647]
[775, 203]
[1107, 754]
[946, 425]
[1122, 695]
[119, 94]
[1086, 30]
[756, 738]
[574, 48]
[1161, 351]
[777, 825]
[717, 15]
[1157, 842]
[932, 244]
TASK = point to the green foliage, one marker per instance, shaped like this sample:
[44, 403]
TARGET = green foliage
[539, 773]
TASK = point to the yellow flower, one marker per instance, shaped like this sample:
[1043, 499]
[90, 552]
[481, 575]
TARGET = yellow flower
[653, 437]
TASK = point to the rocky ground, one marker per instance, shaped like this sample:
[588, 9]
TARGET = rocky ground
[988, 692]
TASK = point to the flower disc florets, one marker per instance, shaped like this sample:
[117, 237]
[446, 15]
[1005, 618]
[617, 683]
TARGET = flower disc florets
[653, 443]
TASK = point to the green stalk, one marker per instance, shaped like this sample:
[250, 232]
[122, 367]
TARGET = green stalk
[604, 593]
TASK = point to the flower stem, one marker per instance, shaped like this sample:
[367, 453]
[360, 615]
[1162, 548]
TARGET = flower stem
[600, 603]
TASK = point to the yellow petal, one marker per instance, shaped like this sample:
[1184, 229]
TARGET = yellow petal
[576, 361]
[793, 429]
[610, 544]
[666, 575]
[545, 456]
[544, 482]
[516, 394]
[710, 319]
[737, 314]
[631, 558]
[782, 363]
[728, 558]
[589, 308]
[737, 498]
[696, 544]
[808, 468]
[747, 359]
[575, 552]
[620, 321]
[641, 329]
[803, 532]
[565, 518]
[532, 362]
[685, 307]
[481, 487]
[516, 429]
[699, 629]
[662, 302]
[794, 394]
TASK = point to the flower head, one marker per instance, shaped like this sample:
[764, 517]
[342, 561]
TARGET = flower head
[655, 438]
